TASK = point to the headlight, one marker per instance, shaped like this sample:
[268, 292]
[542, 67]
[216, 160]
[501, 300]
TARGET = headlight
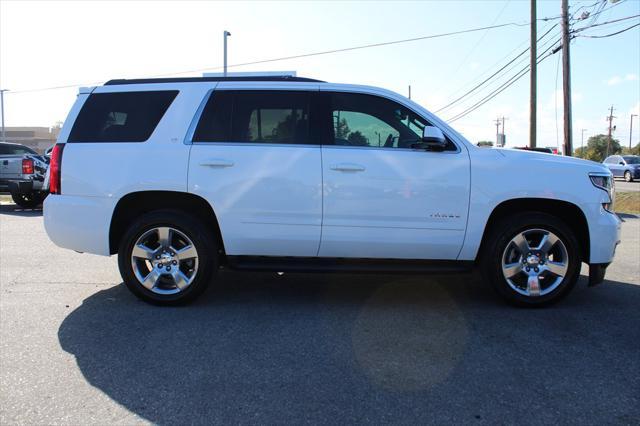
[604, 182]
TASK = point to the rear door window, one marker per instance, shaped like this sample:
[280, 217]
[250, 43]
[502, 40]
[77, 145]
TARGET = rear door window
[121, 117]
[277, 117]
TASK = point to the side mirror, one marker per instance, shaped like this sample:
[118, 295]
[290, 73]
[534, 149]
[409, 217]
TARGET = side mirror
[621, 163]
[432, 138]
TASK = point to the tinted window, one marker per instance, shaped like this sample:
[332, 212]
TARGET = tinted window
[120, 117]
[632, 159]
[255, 116]
[366, 120]
[6, 149]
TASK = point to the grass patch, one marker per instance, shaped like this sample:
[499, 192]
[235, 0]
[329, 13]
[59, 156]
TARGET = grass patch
[627, 202]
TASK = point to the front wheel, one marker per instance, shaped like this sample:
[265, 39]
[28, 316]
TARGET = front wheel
[627, 176]
[167, 257]
[532, 259]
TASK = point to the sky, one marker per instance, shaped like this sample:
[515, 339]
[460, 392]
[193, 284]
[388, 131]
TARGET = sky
[83, 43]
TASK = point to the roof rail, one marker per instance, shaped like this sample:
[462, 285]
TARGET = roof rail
[251, 74]
[204, 79]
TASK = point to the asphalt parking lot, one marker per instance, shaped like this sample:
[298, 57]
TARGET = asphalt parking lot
[77, 348]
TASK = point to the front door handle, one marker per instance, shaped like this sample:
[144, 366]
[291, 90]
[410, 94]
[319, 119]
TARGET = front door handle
[348, 167]
[217, 162]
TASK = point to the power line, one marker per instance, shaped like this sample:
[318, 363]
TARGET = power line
[604, 23]
[475, 46]
[504, 86]
[515, 65]
[306, 55]
[492, 75]
[609, 35]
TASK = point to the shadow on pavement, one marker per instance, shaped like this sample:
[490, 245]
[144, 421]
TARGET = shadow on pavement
[363, 349]
[14, 210]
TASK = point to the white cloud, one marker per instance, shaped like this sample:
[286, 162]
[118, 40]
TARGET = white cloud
[616, 79]
[613, 80]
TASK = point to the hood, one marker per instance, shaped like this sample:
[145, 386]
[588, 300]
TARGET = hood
[552, 159]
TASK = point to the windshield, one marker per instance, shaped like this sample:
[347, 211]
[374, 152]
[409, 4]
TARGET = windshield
[632, 159]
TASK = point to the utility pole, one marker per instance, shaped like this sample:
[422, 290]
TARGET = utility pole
[566, 80]
[4, 138]
[225, 35]
[503, 118]
[630, 128]
[497, 121]
[582, 142]
[610, 119]
[533, 76]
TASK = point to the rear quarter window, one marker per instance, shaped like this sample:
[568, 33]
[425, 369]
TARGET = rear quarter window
[121, 117]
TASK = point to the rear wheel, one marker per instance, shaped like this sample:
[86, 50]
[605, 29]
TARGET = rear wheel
[532, 259]
[28, 201]
[167, 257]
[627, 176]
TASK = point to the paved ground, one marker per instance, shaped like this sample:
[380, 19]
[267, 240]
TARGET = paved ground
[622, 186]
[77, 348]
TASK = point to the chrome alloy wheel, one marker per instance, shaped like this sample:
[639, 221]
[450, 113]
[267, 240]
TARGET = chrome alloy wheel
[164, 260]
[535, 262]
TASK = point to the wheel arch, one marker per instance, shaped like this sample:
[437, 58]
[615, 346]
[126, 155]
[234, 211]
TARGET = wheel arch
[134, 204]
[566, 211]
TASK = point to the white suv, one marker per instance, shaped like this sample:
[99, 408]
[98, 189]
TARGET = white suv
[181, 176]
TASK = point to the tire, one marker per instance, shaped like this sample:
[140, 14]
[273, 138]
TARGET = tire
[539, 286]
[172, 273]
[28, 201]
[627, 176]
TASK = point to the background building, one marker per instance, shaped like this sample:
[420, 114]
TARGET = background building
[37, 138]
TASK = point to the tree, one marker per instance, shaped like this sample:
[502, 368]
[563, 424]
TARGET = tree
[580, 152]
[357, 139]
[633, 151]
[596, 149]
[342, 129]
[485, 143]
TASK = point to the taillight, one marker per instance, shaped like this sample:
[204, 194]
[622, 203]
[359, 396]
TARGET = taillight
[27, 166]
[55, 169]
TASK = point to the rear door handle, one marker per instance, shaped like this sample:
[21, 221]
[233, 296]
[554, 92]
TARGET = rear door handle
[348, 167]
[217, 162]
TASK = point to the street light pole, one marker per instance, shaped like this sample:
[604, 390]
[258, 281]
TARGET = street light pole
[582, 143]
[4, 138]
[225, 35]
[566, 80]
[630, 128]
[533, 51]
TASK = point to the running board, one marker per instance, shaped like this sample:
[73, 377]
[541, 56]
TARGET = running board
[330, 264]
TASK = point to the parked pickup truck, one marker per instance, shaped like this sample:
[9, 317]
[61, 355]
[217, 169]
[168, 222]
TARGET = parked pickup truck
[22, 172]
[181, 176]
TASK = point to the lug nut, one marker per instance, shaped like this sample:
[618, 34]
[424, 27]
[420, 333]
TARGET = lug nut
[175, 262]
[168, 268]
[160, 265]
[528, 269]
[535, 269]
[158, 256]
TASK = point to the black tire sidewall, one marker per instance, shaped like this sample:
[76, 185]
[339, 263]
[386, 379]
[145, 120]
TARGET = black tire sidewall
[192, 228]
[502, 234]
[27, 201]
